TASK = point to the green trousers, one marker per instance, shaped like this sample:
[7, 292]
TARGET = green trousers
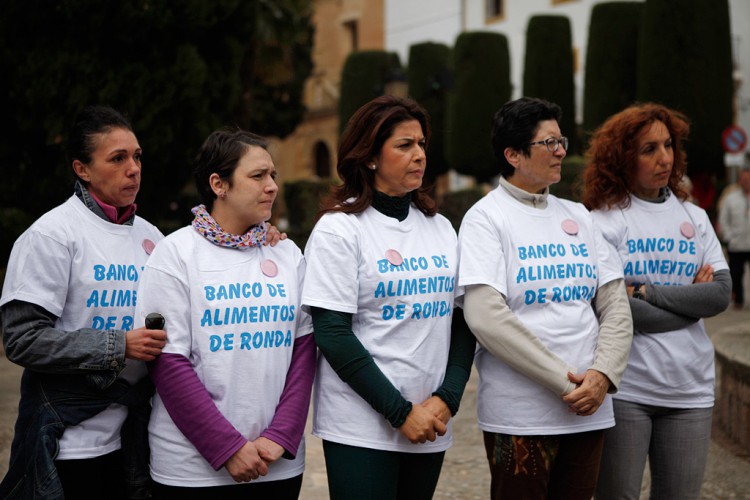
[367, 474]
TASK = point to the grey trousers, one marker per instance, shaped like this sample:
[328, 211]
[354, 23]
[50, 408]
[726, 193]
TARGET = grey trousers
[675, 441]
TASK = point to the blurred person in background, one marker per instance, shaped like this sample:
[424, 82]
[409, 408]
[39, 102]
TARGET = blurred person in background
[734, 226]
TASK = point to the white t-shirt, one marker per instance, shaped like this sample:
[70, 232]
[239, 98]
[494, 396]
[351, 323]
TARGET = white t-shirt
[85, 271]
[549, 277]
[237, 326]
[402, 315]
[665, 244]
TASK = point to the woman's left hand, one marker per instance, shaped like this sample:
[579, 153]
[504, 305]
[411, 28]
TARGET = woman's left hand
[273, 235]
[268, 450]
[437, 407]
[421, 425]
[585, 399]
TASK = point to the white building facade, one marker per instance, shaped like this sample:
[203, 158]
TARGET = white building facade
[413, 21]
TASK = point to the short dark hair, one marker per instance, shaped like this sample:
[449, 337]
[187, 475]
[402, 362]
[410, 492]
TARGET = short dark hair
[220, 154]
[515, 124]
[92, 120]
[362, 140]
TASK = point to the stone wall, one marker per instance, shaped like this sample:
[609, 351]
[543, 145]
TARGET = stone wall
[733, 387]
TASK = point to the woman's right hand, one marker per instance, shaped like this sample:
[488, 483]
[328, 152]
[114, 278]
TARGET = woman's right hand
[268, 450]
[705, 274]
[246, 464]
[421, 425]
[144, 344]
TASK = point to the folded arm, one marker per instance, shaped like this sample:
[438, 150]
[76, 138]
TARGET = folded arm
[697, 300]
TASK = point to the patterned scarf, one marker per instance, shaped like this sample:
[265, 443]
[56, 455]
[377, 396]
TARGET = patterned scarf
[207, 226]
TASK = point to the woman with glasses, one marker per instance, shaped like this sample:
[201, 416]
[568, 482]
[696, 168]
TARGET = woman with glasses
[675, 274]
[546, 301]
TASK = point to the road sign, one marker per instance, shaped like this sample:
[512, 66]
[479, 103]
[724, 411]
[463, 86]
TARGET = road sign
[734, 139]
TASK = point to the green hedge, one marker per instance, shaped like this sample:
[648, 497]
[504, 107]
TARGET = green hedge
[455, 204]
[689, 67]
[13, 222]
[481, 74]
[548, 68]
[611, 55]
[428, 76]
[363, 78]
[569, 187]
[302, 199]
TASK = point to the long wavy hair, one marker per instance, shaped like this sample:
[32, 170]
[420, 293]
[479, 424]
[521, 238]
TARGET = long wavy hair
[362, 140]
[612, 157]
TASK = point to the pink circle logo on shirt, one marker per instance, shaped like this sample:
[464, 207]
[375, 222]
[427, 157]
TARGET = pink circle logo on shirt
[687, 230]
[570, 226]
[269, 268]
[394, 257]
[148, 246]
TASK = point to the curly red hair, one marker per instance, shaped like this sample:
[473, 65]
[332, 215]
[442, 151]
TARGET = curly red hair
[612, 156]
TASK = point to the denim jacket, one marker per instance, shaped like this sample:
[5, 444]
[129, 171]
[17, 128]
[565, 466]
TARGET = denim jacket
[49, 404]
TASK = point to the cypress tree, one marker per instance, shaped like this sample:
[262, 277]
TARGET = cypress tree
[688, 67]
[548, 68]
[178, 69]
[481, 74]
[363, 78]
[428, 77]
[612, 48]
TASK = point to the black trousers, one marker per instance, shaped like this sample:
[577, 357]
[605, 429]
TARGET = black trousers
[100, 478]
[284, 489]
[737, 262]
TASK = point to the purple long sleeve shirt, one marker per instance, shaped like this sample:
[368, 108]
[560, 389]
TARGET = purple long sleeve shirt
[193, 411]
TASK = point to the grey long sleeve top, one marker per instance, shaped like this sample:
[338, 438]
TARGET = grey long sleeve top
[499, 330]
[668, 308]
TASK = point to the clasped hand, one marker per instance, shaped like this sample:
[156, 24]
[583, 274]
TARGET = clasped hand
[588, 396]
[426, 421]
[252, 460]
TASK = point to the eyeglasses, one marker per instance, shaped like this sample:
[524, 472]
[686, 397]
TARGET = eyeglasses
[553, 143]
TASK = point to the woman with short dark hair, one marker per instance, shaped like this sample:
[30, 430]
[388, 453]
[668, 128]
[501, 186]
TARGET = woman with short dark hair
[546, 301]
[233, 383]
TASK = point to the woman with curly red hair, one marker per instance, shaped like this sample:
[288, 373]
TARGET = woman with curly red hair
[676, 275]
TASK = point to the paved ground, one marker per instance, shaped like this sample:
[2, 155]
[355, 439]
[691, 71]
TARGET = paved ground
[465, 475]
